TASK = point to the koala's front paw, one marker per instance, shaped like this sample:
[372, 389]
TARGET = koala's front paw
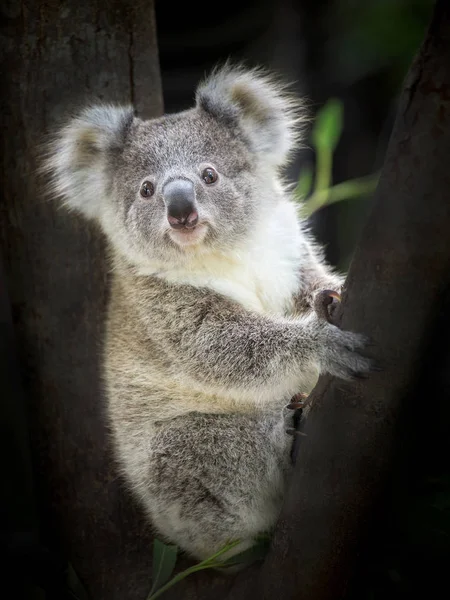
[339, 353]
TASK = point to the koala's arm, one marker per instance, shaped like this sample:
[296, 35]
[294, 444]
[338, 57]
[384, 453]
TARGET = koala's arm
[314, 275]
[213, 341]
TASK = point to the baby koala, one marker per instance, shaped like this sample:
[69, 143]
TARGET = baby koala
[210, 328]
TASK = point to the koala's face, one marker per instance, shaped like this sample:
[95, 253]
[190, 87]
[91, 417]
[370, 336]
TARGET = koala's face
[198, 181]
[184, 183]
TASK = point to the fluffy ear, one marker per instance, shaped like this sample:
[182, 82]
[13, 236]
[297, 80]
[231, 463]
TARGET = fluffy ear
[265, 114]
[76, 158]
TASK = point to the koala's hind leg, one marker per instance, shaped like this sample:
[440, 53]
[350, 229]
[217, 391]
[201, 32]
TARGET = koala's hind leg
[213, 479]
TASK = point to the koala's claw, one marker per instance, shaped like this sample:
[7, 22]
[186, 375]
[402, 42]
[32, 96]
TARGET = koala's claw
[325, 303]
[293, 431]
[297, 401]
[295, 405]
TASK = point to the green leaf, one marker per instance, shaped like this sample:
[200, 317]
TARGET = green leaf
[304, 183]
[328, 125]
[164, 559]
[209, 563]
[353, 188]
[256, 552]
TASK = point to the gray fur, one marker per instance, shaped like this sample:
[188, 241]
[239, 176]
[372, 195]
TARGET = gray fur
[209, 334]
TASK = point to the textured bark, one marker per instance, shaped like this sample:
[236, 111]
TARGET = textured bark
[56, 56]
[399, 274]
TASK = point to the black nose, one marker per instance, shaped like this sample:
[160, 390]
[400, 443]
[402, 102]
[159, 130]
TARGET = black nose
[179, 196]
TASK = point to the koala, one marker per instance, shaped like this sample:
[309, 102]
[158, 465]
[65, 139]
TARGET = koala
[210, 328]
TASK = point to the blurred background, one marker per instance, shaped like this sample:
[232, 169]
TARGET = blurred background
[357, 51]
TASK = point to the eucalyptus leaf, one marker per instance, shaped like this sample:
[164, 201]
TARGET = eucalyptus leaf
[346, 190]
[209, 563]
[328, 125]
[256, 552]
[164, 559]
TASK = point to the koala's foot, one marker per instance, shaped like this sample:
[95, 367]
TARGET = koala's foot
[296, 404]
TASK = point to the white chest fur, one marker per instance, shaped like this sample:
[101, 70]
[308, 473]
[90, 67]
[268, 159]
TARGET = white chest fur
[263, 275]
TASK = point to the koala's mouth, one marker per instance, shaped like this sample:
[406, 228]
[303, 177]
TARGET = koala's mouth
[189, 236]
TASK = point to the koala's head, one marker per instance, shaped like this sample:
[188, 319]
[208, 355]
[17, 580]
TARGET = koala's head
[197, 181]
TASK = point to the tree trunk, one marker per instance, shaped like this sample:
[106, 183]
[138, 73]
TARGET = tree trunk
[398, 277]
[57, 56]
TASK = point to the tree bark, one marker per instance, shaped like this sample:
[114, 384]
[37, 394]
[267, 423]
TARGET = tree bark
[399, 274]
[57, 56]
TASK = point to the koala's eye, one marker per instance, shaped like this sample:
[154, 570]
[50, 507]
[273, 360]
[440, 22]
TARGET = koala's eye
[147, 189]
[209, 175]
